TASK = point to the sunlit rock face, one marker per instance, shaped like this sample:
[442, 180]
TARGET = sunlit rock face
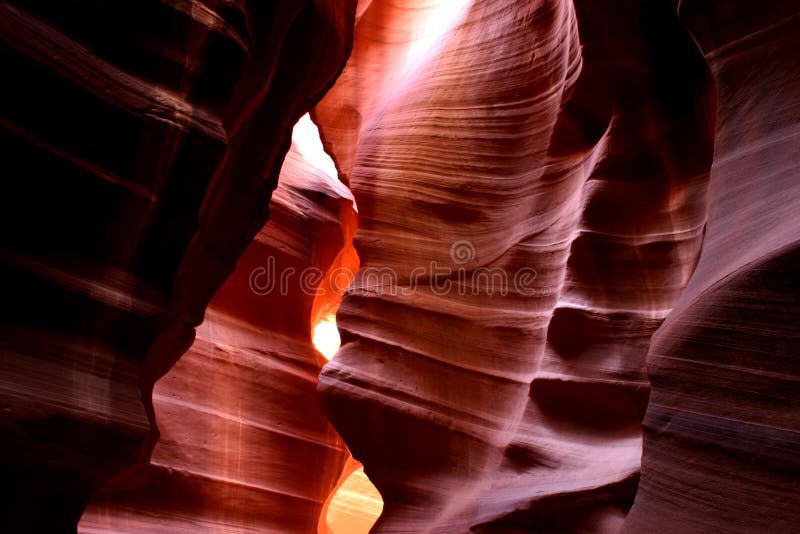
[574, 139]
[141, 142]
[244, 446]
[356, 504]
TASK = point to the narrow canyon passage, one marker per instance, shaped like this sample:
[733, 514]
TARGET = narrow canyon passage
[400, 266]
[243, 445]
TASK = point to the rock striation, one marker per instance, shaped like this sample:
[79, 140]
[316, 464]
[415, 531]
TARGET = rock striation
[576, 242]
[722, 430]
[574, 142]
[244, 446]
[142, 140]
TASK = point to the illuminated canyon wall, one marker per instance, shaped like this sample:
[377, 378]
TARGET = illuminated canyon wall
[243, 443]
[551, 139]
[571, 228]
[636, 156]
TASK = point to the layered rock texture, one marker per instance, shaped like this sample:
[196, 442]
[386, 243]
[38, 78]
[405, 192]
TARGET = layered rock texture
[722, 430]
[141, 140]
[576, 308]
[575, 142]
[551, 159]
[244, 446]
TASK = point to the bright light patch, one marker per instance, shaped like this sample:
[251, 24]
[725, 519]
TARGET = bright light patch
[305, 137]
[326, 338]
[356, 506]
[442, 16]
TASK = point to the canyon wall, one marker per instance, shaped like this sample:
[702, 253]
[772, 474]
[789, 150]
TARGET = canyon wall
[531, 180]
[576, 308]
[142, 140]
[492, 414]
[722, 430]
[244, 446]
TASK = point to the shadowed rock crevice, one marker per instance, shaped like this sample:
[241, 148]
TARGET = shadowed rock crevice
[143, 141]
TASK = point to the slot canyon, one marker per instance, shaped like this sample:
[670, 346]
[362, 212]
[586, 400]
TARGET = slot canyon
[400, 266]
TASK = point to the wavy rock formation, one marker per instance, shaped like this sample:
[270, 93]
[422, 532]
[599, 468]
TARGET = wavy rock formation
[576, 308]
[722, 431]
[142, 140]
[531, 178]
[244, 446]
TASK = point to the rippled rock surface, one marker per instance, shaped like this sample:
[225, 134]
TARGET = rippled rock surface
[141, 143]
[575, 296]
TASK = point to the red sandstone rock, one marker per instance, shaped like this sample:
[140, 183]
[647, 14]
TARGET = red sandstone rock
[585, 170]
[722, 431]
[243, 443]
[572, 140]
[141, 142]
